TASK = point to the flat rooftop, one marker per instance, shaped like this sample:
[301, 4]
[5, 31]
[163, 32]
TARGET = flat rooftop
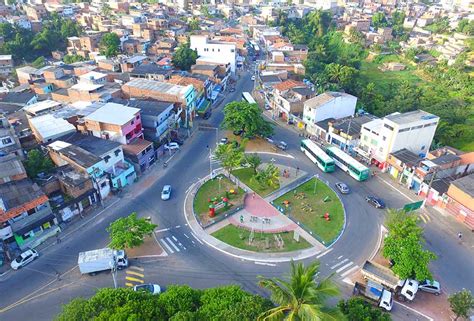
[158, 86]
[410, 117]
[113, 113]
[465, 184]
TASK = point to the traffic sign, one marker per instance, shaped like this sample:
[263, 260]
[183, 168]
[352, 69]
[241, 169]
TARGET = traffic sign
[412, 206]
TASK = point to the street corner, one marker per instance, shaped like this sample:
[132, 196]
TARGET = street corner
[149, 248]
[435, 306]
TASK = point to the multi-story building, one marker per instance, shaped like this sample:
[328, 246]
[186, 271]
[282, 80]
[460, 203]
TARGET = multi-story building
[334, 105]
[214, 51]
[184, 97]
[289, 97]
[6, 64]
[114, 122]
[413, 131]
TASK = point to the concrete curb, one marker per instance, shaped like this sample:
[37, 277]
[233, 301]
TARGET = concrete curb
[233, 251]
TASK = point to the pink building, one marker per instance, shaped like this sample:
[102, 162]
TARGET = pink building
[115, 122]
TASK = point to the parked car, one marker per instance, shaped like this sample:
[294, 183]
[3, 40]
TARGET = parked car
[223, 141]
[430, 287]
[343, 188]
[253, 77]
[178, 141]
[207, 115]
[282, 145]
[171, 146]
[24, 258]
[267, 107]
[375, 202]
[150, 288]
[166, 192]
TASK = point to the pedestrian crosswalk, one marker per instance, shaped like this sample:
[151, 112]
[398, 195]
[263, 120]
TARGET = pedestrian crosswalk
[134, 275]
[213, 159]
[174, 243]
[425, 217]
[343, 266]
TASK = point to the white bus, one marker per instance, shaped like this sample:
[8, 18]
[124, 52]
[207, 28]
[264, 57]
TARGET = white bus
[348, 164]
[317, 155]
[248, 98]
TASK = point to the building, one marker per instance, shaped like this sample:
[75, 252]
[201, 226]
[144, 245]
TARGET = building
[141, 154]
[327, 105]
[183, 97]
[47, 128]
[6, 64]
[25, 214]
[289, 97]
[215, 51]
[460, 199]
[413, 131]
[115, 122]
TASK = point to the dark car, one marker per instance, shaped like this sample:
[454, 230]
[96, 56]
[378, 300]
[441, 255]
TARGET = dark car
[375, 201]
[178, 140]
[207, 115]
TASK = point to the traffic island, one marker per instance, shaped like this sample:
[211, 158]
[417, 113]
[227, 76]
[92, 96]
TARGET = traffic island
[260, 242]
[316, 207]
[246, 176]
[215, 198]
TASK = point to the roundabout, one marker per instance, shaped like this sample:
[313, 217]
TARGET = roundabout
[296, 218]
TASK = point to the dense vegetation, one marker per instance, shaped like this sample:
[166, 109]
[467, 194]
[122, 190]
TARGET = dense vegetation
[334, 64]
[25, 45]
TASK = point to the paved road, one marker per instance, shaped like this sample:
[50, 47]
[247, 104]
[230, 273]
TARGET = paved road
[36, 288]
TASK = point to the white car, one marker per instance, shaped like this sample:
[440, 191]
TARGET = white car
[171, 146]
[150, 288]
[253, 78]
[430, 287]
[24, 258]
[224, 141]
[166, 192]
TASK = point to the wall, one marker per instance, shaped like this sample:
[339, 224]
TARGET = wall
[215, 52]
[461, 197]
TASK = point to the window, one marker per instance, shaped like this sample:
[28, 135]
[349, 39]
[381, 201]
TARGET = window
[117, 152]
[366, 138]
[381, 149]
[232, 50]
[423, 147]
[387, 126]
[132, 122]
[404, 130]
[218, 50]
[212, 49]
[138, 117]
[106, 158]
[7, 141]
[417, 127]
[384, 138]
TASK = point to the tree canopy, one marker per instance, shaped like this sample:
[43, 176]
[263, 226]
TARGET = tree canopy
[301, 297]
[128, 232]
[36, 163]
[404, 245]
[178, 302]
[357, 309]
[240, 115]
[110, 44]
[230, 155]
[461, 303]
[184, 57]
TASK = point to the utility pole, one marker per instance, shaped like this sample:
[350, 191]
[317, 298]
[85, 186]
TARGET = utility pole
[114, 271]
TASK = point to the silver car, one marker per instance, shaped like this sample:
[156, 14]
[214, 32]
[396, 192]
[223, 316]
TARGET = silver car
[343, 188]
[166, 192]
[24, 258]
[430, 287]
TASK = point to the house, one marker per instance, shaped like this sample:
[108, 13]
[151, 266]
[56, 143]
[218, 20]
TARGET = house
[412, 130]
[47, 128]
[182, 96]
[150, 71]
[141, 154]
[327, 105]
[9, 142]
[93, 78]
[25, 214]
[460, 200]
[201, 86]
[115, 122]
[19, 99]
[11, 169]
[133, 62]
[215, 51]
[345, 132]
[288, 98]
[402, 165]
[6, 64]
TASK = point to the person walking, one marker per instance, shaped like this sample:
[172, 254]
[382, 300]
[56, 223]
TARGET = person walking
[460, 237]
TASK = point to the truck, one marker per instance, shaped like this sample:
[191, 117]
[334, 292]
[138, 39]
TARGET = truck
[92, 262]
[404, 289]
[375, 294]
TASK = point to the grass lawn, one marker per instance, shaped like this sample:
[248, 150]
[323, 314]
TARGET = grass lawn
[239, 238]
[370, 72]
[210, 190]
[245, 175]
[308, 208]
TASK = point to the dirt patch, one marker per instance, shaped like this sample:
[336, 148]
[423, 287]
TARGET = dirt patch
[256, 144]
[149, 248]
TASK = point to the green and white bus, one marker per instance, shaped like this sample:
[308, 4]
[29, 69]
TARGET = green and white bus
[317, 155]
[348, 164]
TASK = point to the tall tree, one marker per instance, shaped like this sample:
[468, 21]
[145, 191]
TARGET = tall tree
[230, 156]
[404, 243]
[37, 163]
[254, 161]
[301, 297]
[110, 44]
[379, 20]
[461, 303]
[240, 115]
[130, 231]
[184, 57]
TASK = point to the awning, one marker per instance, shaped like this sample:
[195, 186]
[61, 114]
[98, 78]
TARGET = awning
[203, 105]
[31, 222]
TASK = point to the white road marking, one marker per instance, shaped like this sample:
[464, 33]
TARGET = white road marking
[163, 230]
[324, 253]
[193, 242]
[186, 235]
[174, 245]
[174, 238]
[177, 226]
[179, 243]
[348, 281]
[197, 239]
[340, 257]
[344, 267]
[264, 263]
[351, 270]
[337, 264]
[166, 245]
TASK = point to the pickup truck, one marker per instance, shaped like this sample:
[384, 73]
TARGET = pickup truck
[375, 294]
[99, 260]
[405, 289]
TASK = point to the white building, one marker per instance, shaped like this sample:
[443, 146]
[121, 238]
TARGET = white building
[215, 51]
[321, 4]
[327, 105]
[47, 128]
[413, 130]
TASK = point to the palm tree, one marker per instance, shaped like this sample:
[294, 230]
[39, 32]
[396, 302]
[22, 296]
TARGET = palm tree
[300, 298]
